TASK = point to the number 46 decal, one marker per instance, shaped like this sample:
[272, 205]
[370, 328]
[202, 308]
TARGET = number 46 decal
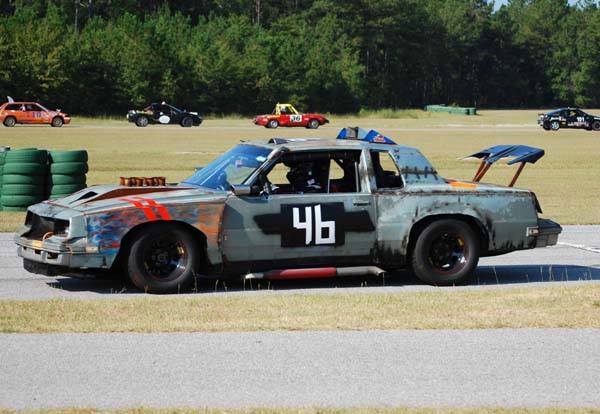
[324, 231]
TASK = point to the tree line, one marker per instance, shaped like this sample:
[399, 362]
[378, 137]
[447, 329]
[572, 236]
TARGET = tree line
[242, 56]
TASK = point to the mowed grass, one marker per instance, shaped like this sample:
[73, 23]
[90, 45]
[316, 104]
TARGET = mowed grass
[566, 180]
[313, 410]
[578, 307]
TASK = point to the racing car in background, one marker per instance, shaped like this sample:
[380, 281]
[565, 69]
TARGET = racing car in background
[286, 115]
[292, 208]
[163, 113]
[568, 118]
[12, 113]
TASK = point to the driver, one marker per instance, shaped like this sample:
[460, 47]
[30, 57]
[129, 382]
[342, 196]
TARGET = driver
[305, 177]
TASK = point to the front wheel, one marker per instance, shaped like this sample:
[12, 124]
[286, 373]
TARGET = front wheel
[596, 125]
[313, 124]
[163, 259]
[273, 123]
[187, 122]
[445, 253]
[57, 122]
[554, 125]
[142, 121]
[10, 121]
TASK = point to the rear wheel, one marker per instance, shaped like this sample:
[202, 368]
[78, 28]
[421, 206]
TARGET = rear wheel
[313, 124]
[273, 123]
[445, 253]
[57, 122]
[10, 121]
[554, 125]
[596, 125]
[142, 121]
[163, 259]
[187, 122]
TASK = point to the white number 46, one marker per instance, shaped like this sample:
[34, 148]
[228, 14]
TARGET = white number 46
[320, 227]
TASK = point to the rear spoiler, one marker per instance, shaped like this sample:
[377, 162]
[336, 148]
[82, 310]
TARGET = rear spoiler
[522, 154]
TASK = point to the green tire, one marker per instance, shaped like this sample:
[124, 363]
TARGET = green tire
[10, 208]
[29, 155]
[65, 188]
[69, 168]
[68, 156]
[25, 168]
[61, 179]
[23, 179]
[22, 189]
[20, 200]
[2, 157]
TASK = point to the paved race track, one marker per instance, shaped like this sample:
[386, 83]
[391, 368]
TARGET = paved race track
[503, 368]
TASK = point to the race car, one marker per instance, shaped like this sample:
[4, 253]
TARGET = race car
[291, 208]
[163, 113]
[286, 115]
[12, 113]
[568, 118]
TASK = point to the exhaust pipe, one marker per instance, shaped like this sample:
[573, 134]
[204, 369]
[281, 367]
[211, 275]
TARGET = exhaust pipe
[315, 273]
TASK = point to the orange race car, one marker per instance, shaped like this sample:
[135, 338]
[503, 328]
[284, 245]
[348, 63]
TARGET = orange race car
[12, 113]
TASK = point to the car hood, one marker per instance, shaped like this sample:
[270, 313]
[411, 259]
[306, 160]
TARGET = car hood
[107, 197]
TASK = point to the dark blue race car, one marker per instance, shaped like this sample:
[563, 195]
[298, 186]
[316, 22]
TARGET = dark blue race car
[163, 113]
[568, 118]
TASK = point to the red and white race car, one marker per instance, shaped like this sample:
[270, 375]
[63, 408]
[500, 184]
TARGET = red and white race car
[286, 115]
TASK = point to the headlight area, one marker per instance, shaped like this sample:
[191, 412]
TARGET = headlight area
[40, 228]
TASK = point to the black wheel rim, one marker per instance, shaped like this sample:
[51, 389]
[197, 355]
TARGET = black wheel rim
[448, 253]
[165, 258]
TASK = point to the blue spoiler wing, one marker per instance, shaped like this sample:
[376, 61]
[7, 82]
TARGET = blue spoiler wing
[523, 154]
[362, 135]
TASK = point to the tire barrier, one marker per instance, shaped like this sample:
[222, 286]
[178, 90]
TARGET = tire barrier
[26, 170]
[30, 175]
[67, 172]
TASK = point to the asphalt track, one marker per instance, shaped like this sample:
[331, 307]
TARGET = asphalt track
[531, 368]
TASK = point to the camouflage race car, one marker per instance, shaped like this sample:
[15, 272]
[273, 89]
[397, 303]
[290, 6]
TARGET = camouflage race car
[12, 113]
[286, 115]
[163, 113]
[568, 118]
[291, 208]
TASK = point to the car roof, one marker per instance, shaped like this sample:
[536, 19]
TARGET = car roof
[21, 102]
[308, 144]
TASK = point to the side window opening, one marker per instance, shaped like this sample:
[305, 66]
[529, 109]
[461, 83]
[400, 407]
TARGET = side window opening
[386, 171]
[325, 172]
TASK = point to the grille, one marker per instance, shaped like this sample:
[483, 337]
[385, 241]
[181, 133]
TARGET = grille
[42, 225]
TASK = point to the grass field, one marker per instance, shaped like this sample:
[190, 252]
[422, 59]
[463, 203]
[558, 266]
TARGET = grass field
[565, 180]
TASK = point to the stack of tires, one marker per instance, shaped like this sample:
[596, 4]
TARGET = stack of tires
[2, 157]
[67, 172]
[23, 178]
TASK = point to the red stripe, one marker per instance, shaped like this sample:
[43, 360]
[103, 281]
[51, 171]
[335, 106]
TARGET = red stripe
[301, 273]
[164, 214]
[147, 210]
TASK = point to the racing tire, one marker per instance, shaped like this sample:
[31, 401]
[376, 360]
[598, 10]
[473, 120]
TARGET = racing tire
[69, 168]
[20, 200]
[57, 122]
[26, 155]
[64, 179]
[546, 127]
[21, 179]
[554, 125]
[273, 123]
[596, 125]
[446, 252]
[10, 121]
[163, 258]
[25, 168]
[142, 121]
[187, 122]
[66, 189]
[22, 189]
[69, 156]
[313, 124]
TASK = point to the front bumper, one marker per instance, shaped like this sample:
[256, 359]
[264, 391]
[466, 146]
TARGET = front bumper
[76, 255]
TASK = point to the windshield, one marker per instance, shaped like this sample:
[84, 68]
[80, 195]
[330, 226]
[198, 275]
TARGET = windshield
[232, 168]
